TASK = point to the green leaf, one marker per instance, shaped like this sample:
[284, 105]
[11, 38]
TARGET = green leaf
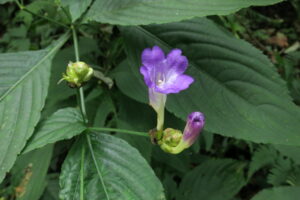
[279, 193]
[236, 86]
[63, 124]
[33, 168]
[24, 85]
[76, 8]
[289, 151]
[141, 12]
[264, 155]
[218, 179]
[125, 173]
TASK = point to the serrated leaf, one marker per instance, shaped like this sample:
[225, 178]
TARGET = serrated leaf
[63, 124]
[279, 193]
[141, 12]
[125, 173]
[24, 85]
[218, 179]
[289, 151]
[236, 86]
[264, 155]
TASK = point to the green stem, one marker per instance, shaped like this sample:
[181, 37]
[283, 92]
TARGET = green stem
[82, 105]
[82, 173]
[96, 164]
[80, 92]
[119, 130]
[75, 43]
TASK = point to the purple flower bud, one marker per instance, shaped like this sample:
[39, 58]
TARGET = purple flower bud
[194, 125]
[165, 74]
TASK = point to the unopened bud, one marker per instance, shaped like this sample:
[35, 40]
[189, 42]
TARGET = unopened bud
[174, 141]
[77, 73]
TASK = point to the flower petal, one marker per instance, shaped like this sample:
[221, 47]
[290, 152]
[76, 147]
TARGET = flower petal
[177, 62]
[147, 76]
[152, 57]
[175, 84]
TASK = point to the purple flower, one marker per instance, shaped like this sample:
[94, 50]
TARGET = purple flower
[164, 74]
[194, 125]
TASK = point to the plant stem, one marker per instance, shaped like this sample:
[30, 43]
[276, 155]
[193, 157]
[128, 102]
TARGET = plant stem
[80, 92]
[119, 130]
[96, 165]
[82, 173]
[82, 105]
[75, 43]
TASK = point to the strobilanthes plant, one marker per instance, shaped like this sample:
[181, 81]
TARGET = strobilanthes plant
[164, 75]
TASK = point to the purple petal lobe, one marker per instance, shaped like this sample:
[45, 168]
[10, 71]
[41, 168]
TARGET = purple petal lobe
[147, 77]
[176, 61]
[175, 84]
[152, 57]
[194, 125]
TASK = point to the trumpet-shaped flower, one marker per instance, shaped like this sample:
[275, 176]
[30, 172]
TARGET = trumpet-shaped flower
[163, 75]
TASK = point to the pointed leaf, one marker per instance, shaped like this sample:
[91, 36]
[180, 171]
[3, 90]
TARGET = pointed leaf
[24, 85]
[236, 86]
[63, 124]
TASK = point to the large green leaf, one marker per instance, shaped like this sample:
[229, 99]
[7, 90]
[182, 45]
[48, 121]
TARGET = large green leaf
[125, 173]
[32, 169]
[138, 12]
[213, 180]
[279, 193]
[24, 85]
[63, 124]
[236, 86]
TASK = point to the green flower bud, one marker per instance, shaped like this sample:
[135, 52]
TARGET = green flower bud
[77, 73]
[171, 141]
[171, 137]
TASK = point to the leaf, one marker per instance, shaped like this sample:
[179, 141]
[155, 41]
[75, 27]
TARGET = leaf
[289, 151]
[76, 8]
[222, 175]
[63, 124]
[264, 155]
[24, 84]
[278, 193]
[141, 12]
[33, 168]
[283, 172]
[236, 86]
[125, 173]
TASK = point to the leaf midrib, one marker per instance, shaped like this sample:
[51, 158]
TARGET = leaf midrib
[57, 46]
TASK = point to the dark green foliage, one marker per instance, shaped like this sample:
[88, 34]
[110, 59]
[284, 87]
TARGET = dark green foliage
[63, 143]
